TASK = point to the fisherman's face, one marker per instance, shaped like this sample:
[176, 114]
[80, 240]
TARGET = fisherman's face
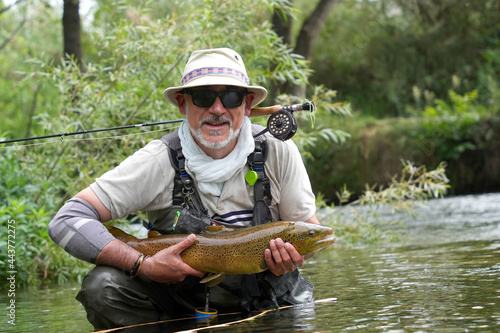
[215, 127]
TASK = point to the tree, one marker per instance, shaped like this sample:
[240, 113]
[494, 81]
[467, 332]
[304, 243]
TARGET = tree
[312, 27]
[71, 31]
[304, 44]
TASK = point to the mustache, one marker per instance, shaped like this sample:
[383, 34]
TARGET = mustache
[216, 119]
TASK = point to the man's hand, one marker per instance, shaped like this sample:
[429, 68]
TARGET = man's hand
[282, 258]
[167, 265]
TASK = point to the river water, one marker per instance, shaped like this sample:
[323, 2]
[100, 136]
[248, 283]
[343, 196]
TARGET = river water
[443, 276]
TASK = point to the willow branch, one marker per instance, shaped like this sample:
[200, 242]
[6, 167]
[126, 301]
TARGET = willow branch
[6, 41]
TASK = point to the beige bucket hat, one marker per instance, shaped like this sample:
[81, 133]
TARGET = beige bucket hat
[209, 67]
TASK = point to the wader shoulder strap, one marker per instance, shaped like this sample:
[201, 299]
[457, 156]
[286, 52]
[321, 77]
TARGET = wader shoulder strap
[193, 216]
[256, 161]
[173, 143]
[182, 180]
[262, 187]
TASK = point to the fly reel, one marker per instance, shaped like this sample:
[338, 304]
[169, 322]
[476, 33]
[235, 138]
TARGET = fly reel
[282, 124]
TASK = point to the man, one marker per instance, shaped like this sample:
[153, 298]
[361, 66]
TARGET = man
[214, 142]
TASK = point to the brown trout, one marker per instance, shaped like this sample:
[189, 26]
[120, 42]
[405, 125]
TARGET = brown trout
[240, 251]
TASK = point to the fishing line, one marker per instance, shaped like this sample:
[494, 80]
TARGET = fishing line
[63, 135]
[89, 139]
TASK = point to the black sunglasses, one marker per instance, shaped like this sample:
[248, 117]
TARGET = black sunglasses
[206, 98]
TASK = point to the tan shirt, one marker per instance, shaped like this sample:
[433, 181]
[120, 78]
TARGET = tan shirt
[145, 180]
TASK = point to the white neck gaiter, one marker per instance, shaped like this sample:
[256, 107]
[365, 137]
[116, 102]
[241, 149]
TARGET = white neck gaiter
[212, 173]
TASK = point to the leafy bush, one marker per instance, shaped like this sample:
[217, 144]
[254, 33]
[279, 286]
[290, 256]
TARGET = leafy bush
[360, 221]
[30, 204]
[453, 124]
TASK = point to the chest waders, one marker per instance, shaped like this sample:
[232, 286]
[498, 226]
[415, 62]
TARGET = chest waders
[188, 215]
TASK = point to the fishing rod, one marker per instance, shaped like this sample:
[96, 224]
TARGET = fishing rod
[62, 135]
[281, 123]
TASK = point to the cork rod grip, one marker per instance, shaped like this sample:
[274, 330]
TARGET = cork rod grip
[264, 111]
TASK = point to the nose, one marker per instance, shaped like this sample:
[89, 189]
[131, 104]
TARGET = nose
[217, 108]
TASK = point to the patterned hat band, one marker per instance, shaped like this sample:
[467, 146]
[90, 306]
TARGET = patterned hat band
[217, 71]
[215, 67]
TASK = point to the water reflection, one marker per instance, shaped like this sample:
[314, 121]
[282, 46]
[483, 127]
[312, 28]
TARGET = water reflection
[299, 319]
[47, 309]
[447, 288]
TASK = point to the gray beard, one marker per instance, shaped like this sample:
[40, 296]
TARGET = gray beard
[233, 134]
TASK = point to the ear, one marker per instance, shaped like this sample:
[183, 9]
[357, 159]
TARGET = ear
[181, 102]
[248, 103]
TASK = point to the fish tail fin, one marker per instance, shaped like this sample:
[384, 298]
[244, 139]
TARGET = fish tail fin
[120, 234]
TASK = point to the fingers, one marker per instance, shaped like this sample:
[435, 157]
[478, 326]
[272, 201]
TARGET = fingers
[282, 258]
[192, 272]
[308, 256]
[179, 248]
[184, 244]
[167, 266]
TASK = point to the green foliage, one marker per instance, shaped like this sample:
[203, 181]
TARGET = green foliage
[462, 132]
[36, 259]
[453, 124]
[136, 53]
[376, 52]
[21, 95]
[365, 224]
[310, 132]
[414, 184]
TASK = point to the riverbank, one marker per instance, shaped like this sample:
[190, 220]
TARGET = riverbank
[374, 152]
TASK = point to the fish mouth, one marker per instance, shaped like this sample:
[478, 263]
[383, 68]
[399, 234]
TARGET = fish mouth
[322, 243]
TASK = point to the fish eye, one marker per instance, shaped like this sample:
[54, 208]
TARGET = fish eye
[312, 233]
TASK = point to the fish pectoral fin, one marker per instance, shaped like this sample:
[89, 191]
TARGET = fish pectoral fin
[216, 229]
[153, 233]
[213, 279]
